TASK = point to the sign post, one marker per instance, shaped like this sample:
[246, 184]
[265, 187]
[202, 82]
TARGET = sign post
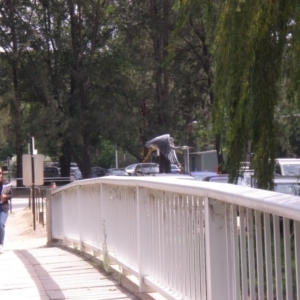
[8, 167]
[33, 181]
[33, 173]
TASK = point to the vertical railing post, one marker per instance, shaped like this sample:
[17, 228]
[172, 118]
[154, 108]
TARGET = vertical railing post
[216, 250]
[142, 238]
[49, 216]
[80, 221]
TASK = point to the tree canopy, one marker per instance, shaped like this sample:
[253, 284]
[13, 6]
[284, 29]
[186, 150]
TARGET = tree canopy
[84, 77]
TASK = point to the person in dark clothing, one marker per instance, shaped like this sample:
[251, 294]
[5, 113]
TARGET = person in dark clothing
[4, 207]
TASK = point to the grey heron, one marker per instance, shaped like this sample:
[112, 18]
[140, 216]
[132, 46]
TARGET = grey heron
[165, 145]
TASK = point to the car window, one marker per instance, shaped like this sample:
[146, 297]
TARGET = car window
[277, 169]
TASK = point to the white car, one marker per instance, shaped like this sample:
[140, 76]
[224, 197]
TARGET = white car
[287, 185]
[130, 169]
[287, 166]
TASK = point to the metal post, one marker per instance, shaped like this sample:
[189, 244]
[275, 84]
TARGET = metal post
[190, 128]
[8, 167]
[33, 182]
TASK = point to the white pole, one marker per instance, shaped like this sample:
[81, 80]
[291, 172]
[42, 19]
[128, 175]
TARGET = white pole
[188, 159]
[116, 158]
[33, 146]
[185, 161]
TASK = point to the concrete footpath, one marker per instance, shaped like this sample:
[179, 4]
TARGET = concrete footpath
[52, 273]
[30, 270]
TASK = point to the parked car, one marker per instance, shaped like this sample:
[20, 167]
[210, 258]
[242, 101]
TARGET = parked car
[287, 166]
[98, 172]
[116, 172]
[200, 175]
[287, 185]
[248, 177]
[130, 169]
[175, 169]
[51, 172]
[145, 169]
[75, 173]
[223, 178]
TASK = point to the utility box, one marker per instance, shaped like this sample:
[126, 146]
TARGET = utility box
[204, 161]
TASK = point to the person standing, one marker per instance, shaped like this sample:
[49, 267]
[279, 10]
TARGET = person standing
[4, 208]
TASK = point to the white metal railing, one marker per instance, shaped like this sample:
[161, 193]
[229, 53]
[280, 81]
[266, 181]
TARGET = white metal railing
[185, 239]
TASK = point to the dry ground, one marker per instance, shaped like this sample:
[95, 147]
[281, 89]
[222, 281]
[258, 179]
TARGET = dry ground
[20, 233]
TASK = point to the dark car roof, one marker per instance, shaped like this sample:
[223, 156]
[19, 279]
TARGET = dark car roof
[224, 178]
[217, 178]
[200, 175]
[118, 172]
[98, 171]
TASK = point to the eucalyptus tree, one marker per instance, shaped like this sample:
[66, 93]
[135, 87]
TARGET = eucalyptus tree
[141, 37]
[190, 55]
[145, 27]
[171, 84]
[69, 49]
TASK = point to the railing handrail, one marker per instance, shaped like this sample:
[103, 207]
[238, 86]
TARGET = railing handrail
[267, 201]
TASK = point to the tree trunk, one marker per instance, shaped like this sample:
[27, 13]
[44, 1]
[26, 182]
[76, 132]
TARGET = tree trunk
[65, 160]
[15, 105]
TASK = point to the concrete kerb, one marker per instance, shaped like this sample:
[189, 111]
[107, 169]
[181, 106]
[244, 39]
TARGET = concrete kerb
[113, 274]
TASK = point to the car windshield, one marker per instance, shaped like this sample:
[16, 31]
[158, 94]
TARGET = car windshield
[291, 169]
[131, 167]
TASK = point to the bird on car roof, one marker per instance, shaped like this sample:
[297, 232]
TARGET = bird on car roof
[165, 145]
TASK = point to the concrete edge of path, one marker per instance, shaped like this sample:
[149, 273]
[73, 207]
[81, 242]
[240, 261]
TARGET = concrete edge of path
[125, 281]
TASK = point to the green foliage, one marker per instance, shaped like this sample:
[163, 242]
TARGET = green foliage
[105, 154]
[248, 51]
